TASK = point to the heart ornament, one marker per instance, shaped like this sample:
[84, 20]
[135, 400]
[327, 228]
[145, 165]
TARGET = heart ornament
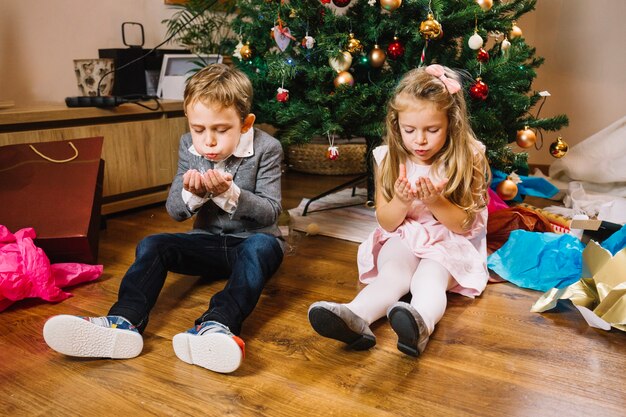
[282, 37]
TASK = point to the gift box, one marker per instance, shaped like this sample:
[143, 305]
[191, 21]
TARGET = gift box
[55, 188]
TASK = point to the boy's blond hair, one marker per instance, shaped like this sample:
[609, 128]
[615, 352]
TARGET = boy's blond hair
[222, 85]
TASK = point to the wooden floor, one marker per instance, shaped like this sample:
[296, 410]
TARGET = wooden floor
[488, 357]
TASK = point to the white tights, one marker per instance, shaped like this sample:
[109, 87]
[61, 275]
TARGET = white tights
[399, 272]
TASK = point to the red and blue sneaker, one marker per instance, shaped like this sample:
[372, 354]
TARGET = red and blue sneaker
[210, 345]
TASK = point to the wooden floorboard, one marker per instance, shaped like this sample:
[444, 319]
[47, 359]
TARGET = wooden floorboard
[488, 357]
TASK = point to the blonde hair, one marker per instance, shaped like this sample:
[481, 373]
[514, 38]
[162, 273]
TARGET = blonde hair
[219, 84]
[461, 159]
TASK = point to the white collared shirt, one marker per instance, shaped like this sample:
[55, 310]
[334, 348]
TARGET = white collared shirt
[227, 201]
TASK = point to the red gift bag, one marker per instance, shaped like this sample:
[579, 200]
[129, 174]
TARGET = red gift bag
[55, 188]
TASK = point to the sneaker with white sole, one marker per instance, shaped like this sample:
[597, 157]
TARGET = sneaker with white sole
[93, 337]
[210, 345]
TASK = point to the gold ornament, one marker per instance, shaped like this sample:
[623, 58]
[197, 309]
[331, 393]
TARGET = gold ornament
[486, 5]
[377, 57]
[559, 148]
[344, 78]
[507, 189]
[354, 45]
[293, 13]
[246, 51]
[390, 5]
[430, 28]
[515, 32]
[341, 62]
[526, 138]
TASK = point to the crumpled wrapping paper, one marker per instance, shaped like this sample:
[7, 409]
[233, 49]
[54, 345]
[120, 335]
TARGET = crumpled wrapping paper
[495, 202]
[600, 295]
[538, 261]
[502, 222]
[26, 272]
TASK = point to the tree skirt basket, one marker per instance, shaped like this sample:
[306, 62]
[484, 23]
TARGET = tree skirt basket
[311, 158]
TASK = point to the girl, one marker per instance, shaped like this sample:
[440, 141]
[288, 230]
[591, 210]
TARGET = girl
[431, 207]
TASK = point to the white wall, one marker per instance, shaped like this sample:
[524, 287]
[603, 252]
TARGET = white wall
[39, 39]
[582, 41]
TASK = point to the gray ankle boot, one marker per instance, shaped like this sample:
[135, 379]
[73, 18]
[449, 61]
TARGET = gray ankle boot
[410, 327]
[337, 321]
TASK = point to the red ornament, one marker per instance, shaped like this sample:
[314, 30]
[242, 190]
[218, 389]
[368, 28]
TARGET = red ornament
[482, 55]
[282, 95]
[479, 90]
[341, 3]
[325, 1]
[395, 49]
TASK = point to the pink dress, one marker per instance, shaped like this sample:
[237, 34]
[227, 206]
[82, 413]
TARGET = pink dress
[464, 256]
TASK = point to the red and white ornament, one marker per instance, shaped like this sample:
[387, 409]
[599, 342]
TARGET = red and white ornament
[282, 95]
[308, 42]
[332, 153]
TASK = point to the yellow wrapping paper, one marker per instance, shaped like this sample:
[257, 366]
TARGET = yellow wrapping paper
[600, 295]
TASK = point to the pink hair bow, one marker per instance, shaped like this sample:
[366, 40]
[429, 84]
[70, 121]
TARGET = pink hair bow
[437, 70]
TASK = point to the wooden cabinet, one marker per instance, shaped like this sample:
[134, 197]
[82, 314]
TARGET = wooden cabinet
[140, 146]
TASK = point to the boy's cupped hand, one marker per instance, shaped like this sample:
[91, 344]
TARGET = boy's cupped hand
[211, 183]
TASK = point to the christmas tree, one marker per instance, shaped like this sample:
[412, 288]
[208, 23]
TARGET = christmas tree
[321, 68]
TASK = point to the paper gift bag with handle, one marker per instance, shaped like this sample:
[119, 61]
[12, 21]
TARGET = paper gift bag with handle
[55, 188]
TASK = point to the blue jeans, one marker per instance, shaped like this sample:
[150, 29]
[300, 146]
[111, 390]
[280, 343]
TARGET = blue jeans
[247, 263]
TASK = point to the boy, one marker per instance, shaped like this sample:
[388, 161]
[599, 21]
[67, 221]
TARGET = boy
[229, 178]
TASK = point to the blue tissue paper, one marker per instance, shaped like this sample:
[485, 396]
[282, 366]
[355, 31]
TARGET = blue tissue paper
[616, 242]
[539, 261]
